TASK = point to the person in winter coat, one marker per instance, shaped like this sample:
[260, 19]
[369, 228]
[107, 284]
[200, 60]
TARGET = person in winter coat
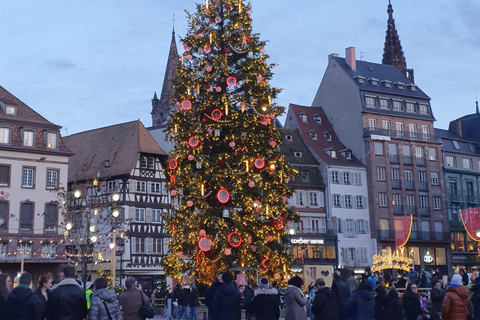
[475, 297]
[177, 292]
[383, 304]
[352, 282]
[183, 302]
[295, 300]
[22, 303]
[342, 292]
[43, 289]
[411, 302]
[457, 304]
[211, 294]
[226, 302]
[131, 300]
[373, 280]
[89, 292]
[67, 300]
[103, 302]
[266, 302]
[193, 302]
[361, 305]
[437, 295]
[397, 310]
[326, 304]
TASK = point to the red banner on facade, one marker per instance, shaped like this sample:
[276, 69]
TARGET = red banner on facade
[403, 228]
[471, 222]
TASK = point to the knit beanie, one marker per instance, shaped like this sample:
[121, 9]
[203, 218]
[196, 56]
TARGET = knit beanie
[456, 280]
[263, 283]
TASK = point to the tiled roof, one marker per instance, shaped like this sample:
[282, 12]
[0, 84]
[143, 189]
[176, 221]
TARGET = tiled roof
[446, 137]
[320, 145]
[119, 144]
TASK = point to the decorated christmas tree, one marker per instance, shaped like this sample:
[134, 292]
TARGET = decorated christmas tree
[228, 178]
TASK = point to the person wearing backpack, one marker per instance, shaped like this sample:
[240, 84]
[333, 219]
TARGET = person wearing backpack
[131, 300]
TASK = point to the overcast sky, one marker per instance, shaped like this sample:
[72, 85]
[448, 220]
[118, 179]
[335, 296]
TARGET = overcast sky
[88, 64]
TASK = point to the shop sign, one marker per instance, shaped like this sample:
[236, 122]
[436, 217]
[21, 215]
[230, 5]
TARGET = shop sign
[391, 262]
[306, 241]
[297, 270]
[428, 257]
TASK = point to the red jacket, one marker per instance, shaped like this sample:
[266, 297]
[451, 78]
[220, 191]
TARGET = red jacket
[456, 304]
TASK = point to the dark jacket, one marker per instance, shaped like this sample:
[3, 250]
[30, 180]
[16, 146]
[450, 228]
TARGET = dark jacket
[342, 292]
[131, 301]
[23, 304]
[67, 301]
[193, 300]
[325, 305]
[361, 305]
[411, 306]
[97, 307]
[184, 297]
[437, 296]
[383, 306]
[397, 310]
[265, 304]
[40, 295]
[210, 295]
[226, 303]
[475, 297]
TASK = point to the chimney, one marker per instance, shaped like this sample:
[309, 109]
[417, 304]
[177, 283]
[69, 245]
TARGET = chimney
[350, 58]
[331, 55]
[459, 127]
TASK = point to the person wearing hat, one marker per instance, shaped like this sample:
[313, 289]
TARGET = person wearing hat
[183, 302]
[325, 305]
[266, 302]
[295, 300]
[226, 302]
[457, 304]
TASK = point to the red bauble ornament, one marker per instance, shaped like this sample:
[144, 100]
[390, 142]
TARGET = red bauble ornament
[190, 157]
[227, 6]
[216, 114]
[98, 242]
[207, 49]
[232, 144]
[204, 120]
[231, 81]
[226, 51]
[173, 193]
[259, 163]
[208, 69]
[251, 184]
[223, 196]
[270, 238]
[202, 232]
[228, 252]
[172, 164]
[189, 203]
[205, 244]
[278, 224]
[193, 142]
[186, 104]
[234, 239]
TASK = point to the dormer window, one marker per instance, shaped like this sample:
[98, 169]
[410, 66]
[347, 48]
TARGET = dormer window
[328, 136]
[305, 176]
[410, 107]
[52, 140]
[359, 79]
[373, 81]
[317, 119]
[384, 103]
[348, 155]
[303, 117]
[412, 86]
[399, 85]
[331, 152]
[423, 109]
[10, 110]
[288, 137]
[297, 154]
[455, 144]
[370, 102]
[107, 163]
[387, 83]
[314, 135]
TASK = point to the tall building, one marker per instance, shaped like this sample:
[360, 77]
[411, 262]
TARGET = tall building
[387, 122]
[125, 159]
[33, 164]
[346, 185]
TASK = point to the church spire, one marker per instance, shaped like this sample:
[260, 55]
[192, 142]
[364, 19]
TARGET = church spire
[161, 108]
[392, 51]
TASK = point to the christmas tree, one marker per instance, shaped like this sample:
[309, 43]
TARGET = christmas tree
[227, 175]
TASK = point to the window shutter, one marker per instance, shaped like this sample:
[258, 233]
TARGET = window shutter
[367, 227]
[365, 203]
[357, 257]
[148, 215]
[344, 255]
[133, 242]
[149, 245]
[166, 248]
[357, 228]
[297, 198]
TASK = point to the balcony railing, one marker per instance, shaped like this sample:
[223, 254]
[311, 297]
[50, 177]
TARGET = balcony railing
[423, 186]
[407, 160]
[410, 209]
[397, 209]
[397, 184]
[415, 235]
[471, 198]
[409, 185]
[402, 134]
[421, 161]
[424, 211]
[394, 158]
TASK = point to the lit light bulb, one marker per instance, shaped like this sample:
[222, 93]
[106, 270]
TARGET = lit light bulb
[69, 226]
[77, 193]
[116, 197]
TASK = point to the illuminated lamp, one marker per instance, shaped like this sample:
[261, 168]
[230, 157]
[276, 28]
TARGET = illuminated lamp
[193, 142]
[172, 164]
[205, 244]
[259, 163]
[234, 239]
[186, 104]
[223, 196]
[216, 114]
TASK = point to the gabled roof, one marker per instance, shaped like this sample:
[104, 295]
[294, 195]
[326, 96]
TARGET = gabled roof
[321, 145]
[119, 144]
[446, 137]
[23, 112]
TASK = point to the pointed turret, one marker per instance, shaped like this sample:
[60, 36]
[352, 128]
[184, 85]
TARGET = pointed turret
[161, 108]
[392, 51]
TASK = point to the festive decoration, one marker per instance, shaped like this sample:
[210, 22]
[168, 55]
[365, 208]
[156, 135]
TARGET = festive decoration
[403, 228]
[172, 164]
[225, 123]
[471, 222]
[205, 244]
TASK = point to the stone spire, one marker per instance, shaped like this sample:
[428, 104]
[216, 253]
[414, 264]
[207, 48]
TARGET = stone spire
[392, 51]
[161, 107]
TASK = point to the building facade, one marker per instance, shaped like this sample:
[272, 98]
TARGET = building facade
[33, 164]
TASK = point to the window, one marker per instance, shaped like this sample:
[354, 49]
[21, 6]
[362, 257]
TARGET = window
[383, 104]
[450, 161]
[52, 179]
[410, 107]
[425, 133]
[328, 136]
[423, 109]
[138, 245]
[346, 177]
[155, 187]
[392, 152]
[151, 163]
[4, 215]
[372, 124]
[423, 201]
[319, 225]
[436, 203]
[143, 162]
[339, 226]
[51, 140]
[380, 173]
[28, 178]
[453, 187]
[156, 215]
[348, 155]
[26, 216]
[28, 138]
[396, 199]
[4, 176]
[361, 226]
[434, 178]
[412, 129]
[50, 217]
[359, 202]
[386, 127]
[297, 154]
[363, 255]
[348, 201]
[303, 117]
[305, 176]
[49, 251]
[397, 105]
[422, 176]
[140, 214]
[350, 228]
[455, 144]
[432, 154]
[378, 148]
[467, 163]
[357, 178]
[112, 185]
[382, 199]
[313, 198]
[4, 135]
[335, 177]
[399, 128]
[408, 176]
[157, 245]
[317, 119]
[394, 174]
[314, 135]
[300, 198]
[410, 200]
[336, 200]
[370, 102]
[10, 110]
[141, 186]
[333, 154]
[384, 225]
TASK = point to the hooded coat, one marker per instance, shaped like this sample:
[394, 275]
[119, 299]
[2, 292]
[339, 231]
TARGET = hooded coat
[265, 304]
[411, 306]
[67, 301]
[397, 310]
[131, 301]
[97, 307]
[210, 295]
[437, 296]
[361, 305]
[383, 306]
[325, 305]
[457, 304]
[342, 292]
[226, 303]
[295, 303]
[22, 303]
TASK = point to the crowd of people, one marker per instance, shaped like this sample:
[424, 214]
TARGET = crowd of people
[68, 300]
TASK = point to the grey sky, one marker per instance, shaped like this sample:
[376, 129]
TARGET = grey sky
[88, 64]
